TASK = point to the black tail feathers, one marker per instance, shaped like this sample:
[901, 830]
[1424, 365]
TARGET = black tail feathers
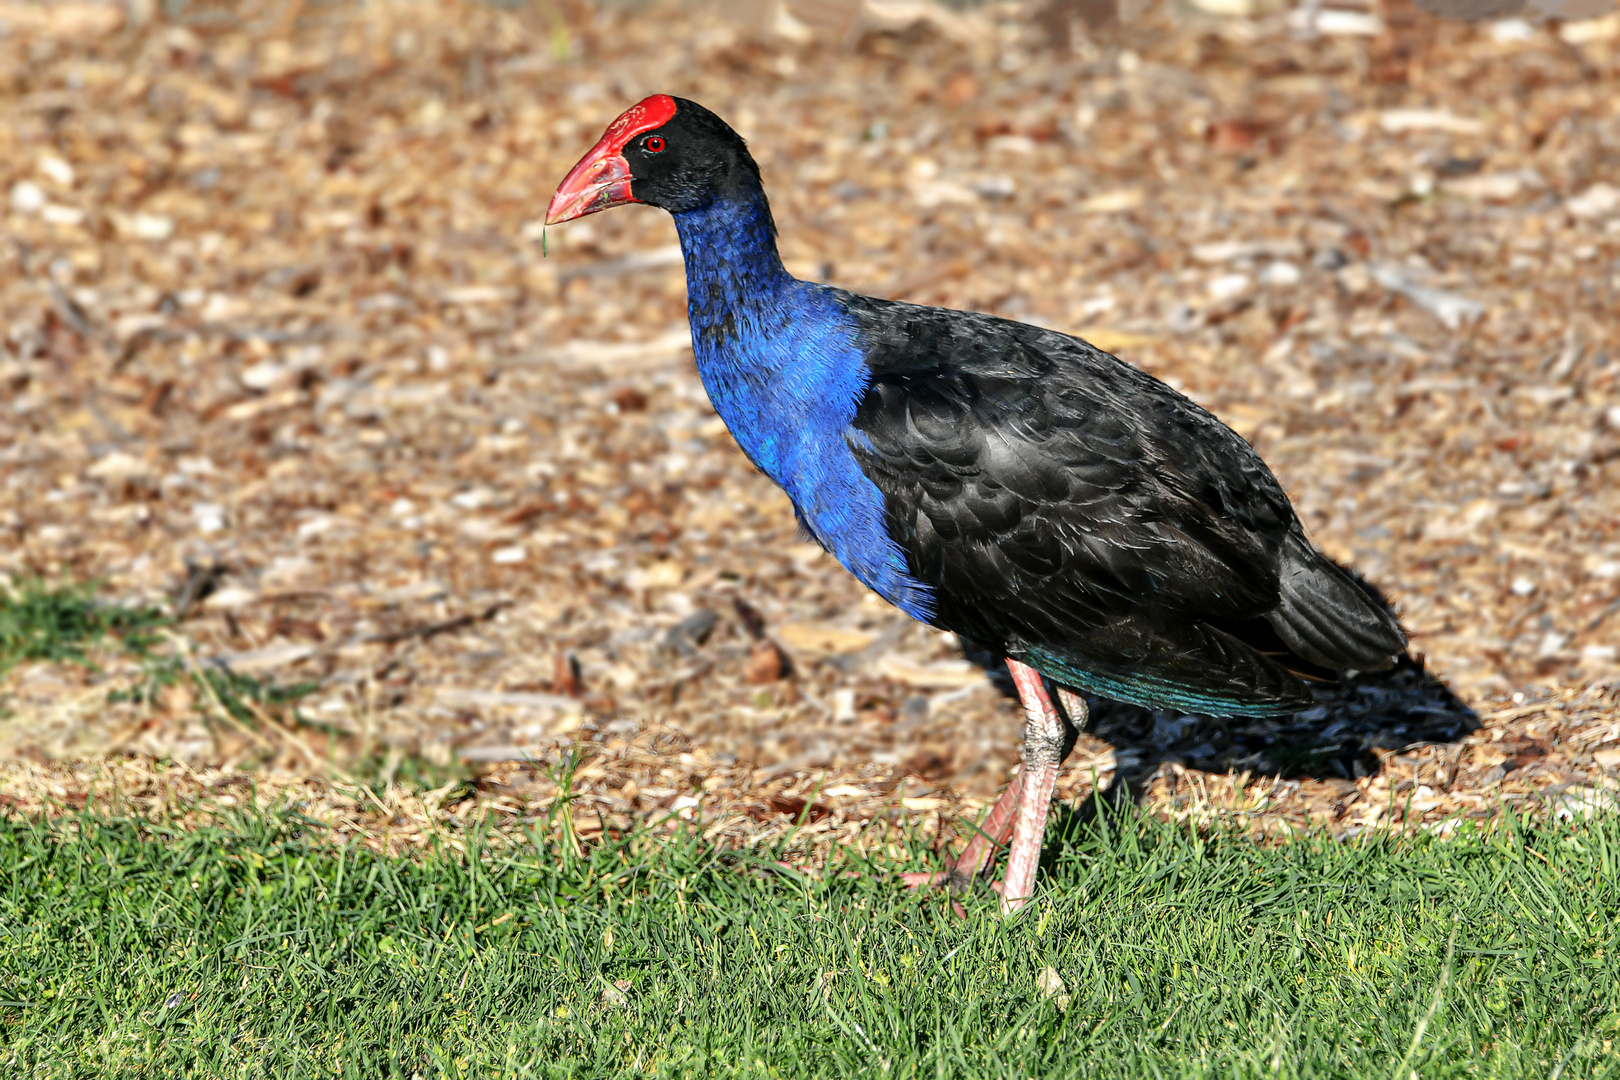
[1331, 616]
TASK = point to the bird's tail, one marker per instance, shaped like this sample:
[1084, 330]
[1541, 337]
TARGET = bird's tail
[1331, 617]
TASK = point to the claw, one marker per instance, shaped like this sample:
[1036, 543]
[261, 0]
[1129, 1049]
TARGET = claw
[924, 879]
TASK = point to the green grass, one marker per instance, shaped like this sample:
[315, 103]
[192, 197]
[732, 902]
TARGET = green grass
[42, 622]
[258, 948]
[65, 622]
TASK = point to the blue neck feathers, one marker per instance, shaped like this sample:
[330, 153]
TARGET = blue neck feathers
[783, 367]
[730, 252]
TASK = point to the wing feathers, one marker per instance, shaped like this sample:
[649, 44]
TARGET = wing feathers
[1194, 666]
[1074, 511]
[1330, 620]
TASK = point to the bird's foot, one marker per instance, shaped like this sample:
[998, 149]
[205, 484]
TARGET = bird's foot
[1020, 814]
[924, 879]
[975, 858]
[928, 880]
[1010, 905]
[917, 882]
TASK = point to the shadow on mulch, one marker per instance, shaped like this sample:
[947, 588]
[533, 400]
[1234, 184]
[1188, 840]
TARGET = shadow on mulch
[1339, 739]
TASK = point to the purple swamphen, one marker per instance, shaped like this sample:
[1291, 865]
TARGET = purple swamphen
[1034, 494]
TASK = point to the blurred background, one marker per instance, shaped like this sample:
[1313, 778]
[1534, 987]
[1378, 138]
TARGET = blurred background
[325, 473]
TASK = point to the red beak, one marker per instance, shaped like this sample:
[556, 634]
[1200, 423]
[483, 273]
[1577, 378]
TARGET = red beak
[602, 178]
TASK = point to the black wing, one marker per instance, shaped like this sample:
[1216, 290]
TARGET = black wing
[1077, 513]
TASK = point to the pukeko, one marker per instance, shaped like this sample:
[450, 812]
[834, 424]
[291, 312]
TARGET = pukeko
[1018, 486]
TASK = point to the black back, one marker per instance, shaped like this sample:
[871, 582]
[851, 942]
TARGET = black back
[1079, 514]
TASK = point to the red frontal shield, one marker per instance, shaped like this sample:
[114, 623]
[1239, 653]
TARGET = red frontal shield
[602, 177]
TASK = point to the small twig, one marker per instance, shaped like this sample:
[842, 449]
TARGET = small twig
[291, 737]
[395, 637]
[78, 320]
[197, 674]
[1514, 623]
[431, 630]
[288, 23]
[1612, 607]
[201, 577]
[124, 735]
[115, 431]
[202, 680]
[1522, 710]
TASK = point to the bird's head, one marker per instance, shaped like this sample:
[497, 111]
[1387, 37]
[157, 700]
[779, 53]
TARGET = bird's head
[663, 151]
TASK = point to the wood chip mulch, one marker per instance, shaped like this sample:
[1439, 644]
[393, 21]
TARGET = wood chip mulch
[279, 339]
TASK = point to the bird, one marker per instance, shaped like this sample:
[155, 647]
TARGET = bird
[1039, 497]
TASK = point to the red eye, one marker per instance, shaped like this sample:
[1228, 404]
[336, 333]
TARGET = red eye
[654, 144]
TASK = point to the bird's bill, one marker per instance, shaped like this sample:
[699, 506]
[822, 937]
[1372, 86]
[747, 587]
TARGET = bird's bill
[600, 181]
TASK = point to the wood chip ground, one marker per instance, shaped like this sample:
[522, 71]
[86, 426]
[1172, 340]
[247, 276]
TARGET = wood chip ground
[277, 316]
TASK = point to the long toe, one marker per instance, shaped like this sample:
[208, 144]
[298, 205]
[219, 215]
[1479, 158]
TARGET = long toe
[925, 879]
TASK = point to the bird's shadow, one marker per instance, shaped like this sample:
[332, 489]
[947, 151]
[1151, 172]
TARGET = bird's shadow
[1338, 741]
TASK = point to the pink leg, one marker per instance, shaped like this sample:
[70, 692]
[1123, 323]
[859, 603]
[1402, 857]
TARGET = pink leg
[976, 856]
[999, 825]
[1043, 753]
[991, 835]
[1075, 707]
[1021, 809]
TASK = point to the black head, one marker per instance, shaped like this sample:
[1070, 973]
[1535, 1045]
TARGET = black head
[664, 151]
[689, 161]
